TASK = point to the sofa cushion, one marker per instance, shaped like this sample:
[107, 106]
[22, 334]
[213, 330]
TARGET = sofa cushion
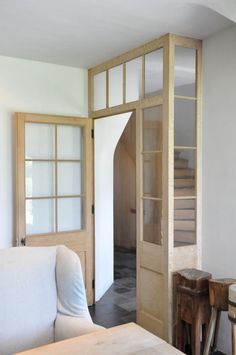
[28, 298]
[70, 285]
[69, 327]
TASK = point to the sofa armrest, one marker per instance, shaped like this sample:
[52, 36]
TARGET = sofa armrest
[69, 327]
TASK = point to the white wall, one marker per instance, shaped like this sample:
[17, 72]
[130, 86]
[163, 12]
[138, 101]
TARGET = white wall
[219, 161]
[107, 134]
[27, 86]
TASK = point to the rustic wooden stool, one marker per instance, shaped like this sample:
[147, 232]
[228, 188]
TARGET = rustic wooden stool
[193, 308]
[232, 315]
[218, 291]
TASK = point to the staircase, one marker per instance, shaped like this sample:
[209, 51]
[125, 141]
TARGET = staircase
[184, 210]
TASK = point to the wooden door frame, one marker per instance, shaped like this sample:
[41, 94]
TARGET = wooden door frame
[87, 261]
[173, 258]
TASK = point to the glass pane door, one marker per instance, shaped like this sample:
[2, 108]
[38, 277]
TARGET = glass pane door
[152, 174]
[55, 186]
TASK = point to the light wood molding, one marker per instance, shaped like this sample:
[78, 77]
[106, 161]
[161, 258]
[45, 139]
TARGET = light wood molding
[131, 106]
[186, 42]
[125, 57]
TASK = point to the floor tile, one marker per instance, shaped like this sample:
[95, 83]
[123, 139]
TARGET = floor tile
[118, 305]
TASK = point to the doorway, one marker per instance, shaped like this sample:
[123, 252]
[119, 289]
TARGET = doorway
[125, 218]
[116, 299]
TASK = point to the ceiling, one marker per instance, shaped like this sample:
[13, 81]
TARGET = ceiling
[83, 33]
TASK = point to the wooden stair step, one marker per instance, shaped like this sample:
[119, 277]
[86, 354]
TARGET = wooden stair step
[184, 214]
[181, 163]
[189, 191]
[187, 225]
[184, 182]
[181, 173]
[182, 244]
[184, 204]
[185, 237]
[176, 154]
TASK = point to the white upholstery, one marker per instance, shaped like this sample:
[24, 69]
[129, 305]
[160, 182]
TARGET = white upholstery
[70, 284]
[68, 327]
[42, 298]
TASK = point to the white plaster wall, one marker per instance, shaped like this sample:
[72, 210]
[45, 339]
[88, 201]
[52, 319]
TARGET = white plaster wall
[219, 162]
[28, 86]
[107, 134]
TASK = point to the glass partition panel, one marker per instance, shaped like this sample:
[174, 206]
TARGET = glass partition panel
[69, 177]
[70, 216]
[69, 142]
[154, 73]
[39, 141]
[134, 79]
[185, 71]
[152, 129]
[99, 91]
[184, 222]
[152, 217]
[184, 173]
[185, 123]
[115, 86]
[40, 216]
[152, 175]
[39, 179]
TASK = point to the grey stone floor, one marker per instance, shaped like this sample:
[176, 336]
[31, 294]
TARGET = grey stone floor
[118, 305]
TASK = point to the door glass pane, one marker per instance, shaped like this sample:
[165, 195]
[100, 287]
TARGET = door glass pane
[152, 175]
[40, 216]
[69, 178]
[133, 79]
[184, 173]
[152, 128]
[185, 71]
[154, 73]
[115, 86]
[39, 179]
[39, 141]
[70, 214]
[152, 221]
[184, 121]
[99, 93]
[69, 142]
[184, 222]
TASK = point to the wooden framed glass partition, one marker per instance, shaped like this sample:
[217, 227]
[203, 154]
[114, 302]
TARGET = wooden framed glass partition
[161, 81]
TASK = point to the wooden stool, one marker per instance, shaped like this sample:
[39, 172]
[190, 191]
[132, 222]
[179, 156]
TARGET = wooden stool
[232, 315]
[193, 308]
[218, 291]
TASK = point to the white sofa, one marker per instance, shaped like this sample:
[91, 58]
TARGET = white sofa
[42, 298]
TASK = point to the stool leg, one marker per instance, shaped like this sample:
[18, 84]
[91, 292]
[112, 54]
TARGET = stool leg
[180, 340]
[210, 331]
[204, 330]
[217, 327]
[233, 339]
[195, 337]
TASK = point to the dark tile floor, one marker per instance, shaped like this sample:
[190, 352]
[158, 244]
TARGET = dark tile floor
[118, 305]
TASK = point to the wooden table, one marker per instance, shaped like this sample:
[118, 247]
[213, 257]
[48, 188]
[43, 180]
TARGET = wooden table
[125, 339]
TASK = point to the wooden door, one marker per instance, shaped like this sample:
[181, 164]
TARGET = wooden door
[150, 269]
[55, 185]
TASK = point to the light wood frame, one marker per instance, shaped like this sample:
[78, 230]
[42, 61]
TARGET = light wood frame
[168, 259]
[81, 241]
